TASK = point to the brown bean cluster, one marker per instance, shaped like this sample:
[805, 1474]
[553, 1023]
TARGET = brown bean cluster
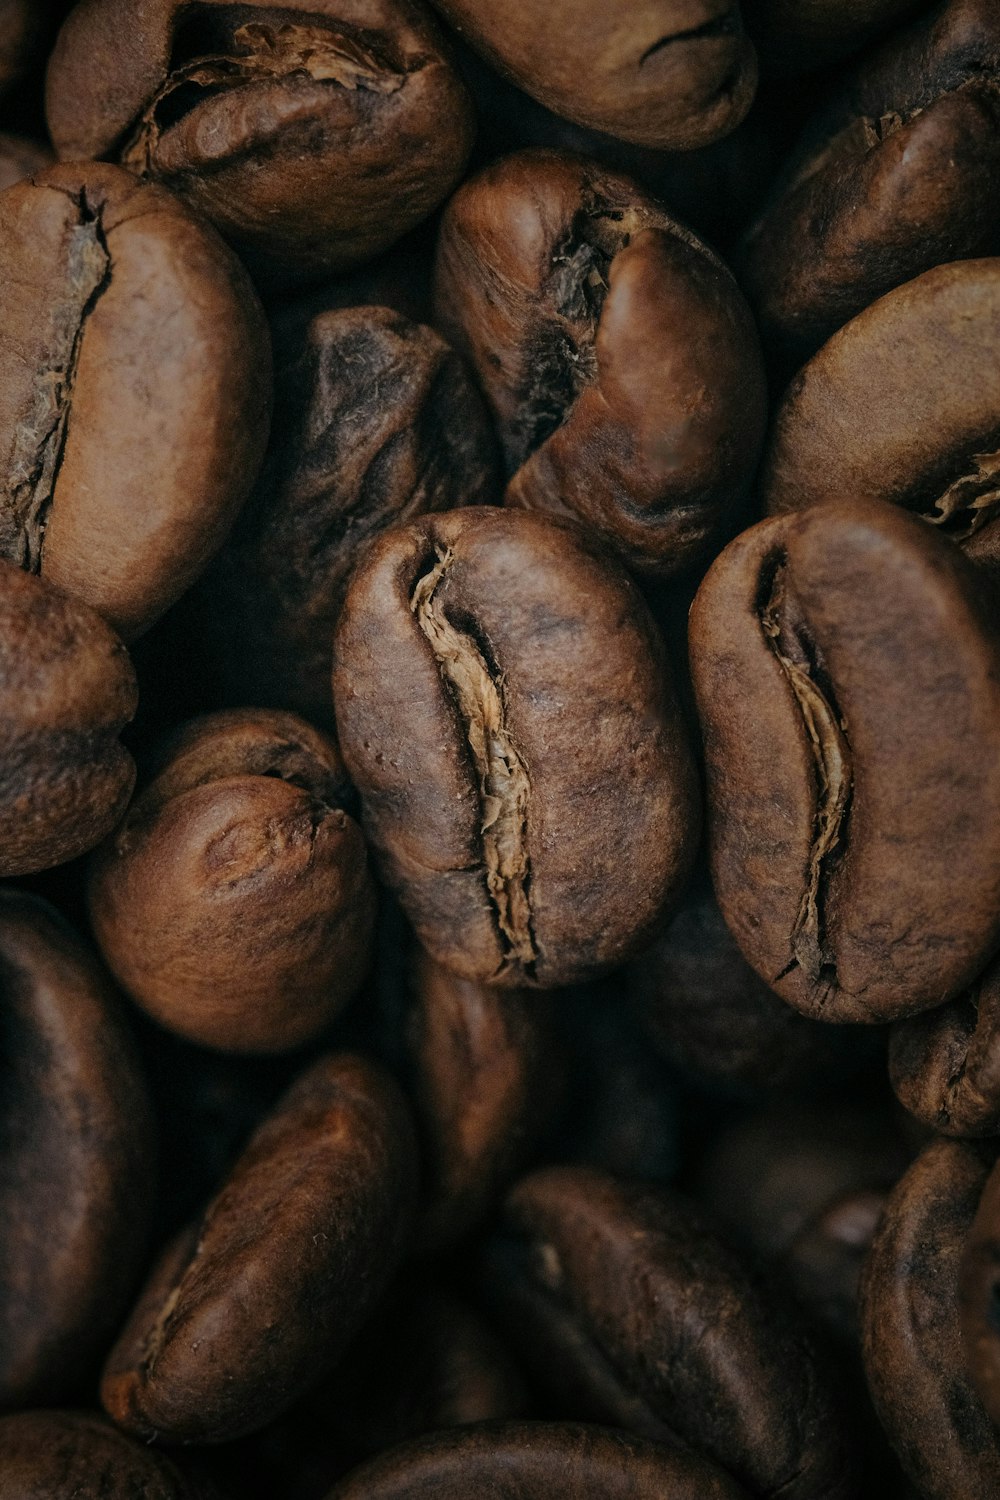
[500, 750]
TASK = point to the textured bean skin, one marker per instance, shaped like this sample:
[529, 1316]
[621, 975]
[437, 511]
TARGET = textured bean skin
[305, 1235]
[534, 836]
[46, 1455]
[859, 868]
[945, 1064]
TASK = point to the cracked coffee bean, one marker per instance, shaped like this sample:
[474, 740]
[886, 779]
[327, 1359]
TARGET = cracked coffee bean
[258, 1301]
[979, 1298]
[617, 354]
[945, 1064]
[505, 710]
[672, 74]
[133, 364]
[49, 1455]
[313, 135]
[234, 903]
[620, 1298]
[898, 174]
[931, 442]
[913, 1351]
[375, 422]
[800, 36]
[853, 759]
[537, 1461]
[76, 1155]
[68, 691]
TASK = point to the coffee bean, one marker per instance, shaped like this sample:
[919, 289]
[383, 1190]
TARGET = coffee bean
[979, 1298]
[51, 1455]
[945, 1064]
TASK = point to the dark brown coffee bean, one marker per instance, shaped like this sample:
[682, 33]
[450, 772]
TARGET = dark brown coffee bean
[312, 135]
[376, 421]
[537, 1461]
[133, 363]
[21, 157]
[912, 1342]
[673, 74]
[77, 1158]
[979, 1298]
[615, 349]
[799, 36]
[945, 1064]
[259, 1300]
[855, 842]
[68, 691]
[235, 903]
[677, 1320]
[55, 1455]
[504, 709]
[895, 176]
[931, 442]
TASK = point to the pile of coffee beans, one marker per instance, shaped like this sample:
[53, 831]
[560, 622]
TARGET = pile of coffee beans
[500, 750]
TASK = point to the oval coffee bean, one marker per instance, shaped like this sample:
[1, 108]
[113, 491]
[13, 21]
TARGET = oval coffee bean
[55, 1455]
[258, 1301]
[68, 691]
[677, 1322]
[931, 442]
[312, 134]
[945, 1064]
[77, 1157]
[537, 1461]
[504, 709]
[853, 759]
[375, 421]
[912, 1343]
[615, 349]
[133, 362]
[674, 74]
[234, 903]
[896, 175]
[979, 1297]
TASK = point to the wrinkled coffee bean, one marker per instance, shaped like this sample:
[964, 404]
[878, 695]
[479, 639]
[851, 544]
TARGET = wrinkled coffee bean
[312, 135]
[945, 1064]
[632, 1271]
[912, 1342]
[672, 74]
[533, 833]
[896, 175]
[133, 364]
[76, 1157]
[52, 1455]
[234, 903]
[68, 690]
[537, 1461]
[979, 1297]
[931, 442]
[855, 842]
[21, 157]
[302, 1239]
[375, 421]
[617, 354]
[798, 36]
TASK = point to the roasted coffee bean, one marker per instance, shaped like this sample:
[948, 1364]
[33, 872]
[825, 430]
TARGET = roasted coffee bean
[672, 74]
[800, 36]
[979, 1297]
[77, 1158]
[376, 421]
[631, 1271]
[854, 840]
[945, 1064]
[931, 442]
[133, 363]
[312, 134]
[234, 903]
[896, 175]
[303, 1238]
[68, 691]
[537, 1461]
[21, 157]
[707, 1012]
[617, 354]
[912, 1341]
[505, 711]
[52, 1455]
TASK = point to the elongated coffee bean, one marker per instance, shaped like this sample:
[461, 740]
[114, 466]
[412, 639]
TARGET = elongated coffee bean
[51, 1455]
[259, 1300]
[504, 709]
[77, 1157]
[853, 759]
